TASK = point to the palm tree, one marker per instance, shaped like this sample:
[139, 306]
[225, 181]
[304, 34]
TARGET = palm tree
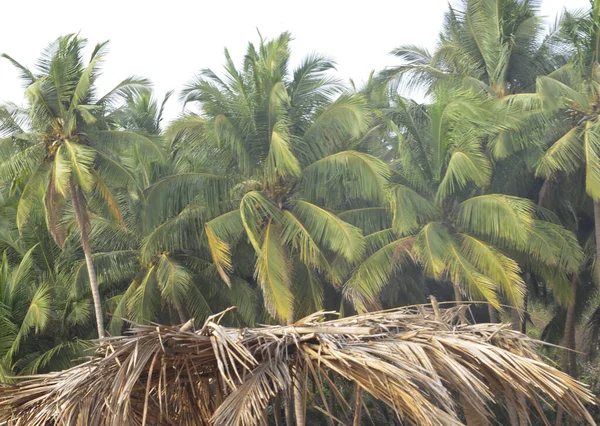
[288, 149]
[42, 327]
[571, 95]
[60, 146]
[495, 45]
[442, 216]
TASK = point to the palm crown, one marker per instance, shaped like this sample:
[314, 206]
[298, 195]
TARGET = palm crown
[290, 149]
[61, 147]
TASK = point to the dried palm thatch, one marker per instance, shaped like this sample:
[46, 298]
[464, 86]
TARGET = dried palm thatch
[423, 364]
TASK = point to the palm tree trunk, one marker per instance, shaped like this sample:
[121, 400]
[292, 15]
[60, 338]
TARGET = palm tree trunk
[357, 405]
[525, 314]
[277, 410]
[472, 416]
[516, 419]
[299, 410]
[457, 294]
[515, 319]
[493, 314]
[180, 313]
[569, 357]
[82, 223]
[289, 407]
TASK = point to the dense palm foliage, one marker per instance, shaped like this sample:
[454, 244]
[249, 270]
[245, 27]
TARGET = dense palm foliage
[283, 191]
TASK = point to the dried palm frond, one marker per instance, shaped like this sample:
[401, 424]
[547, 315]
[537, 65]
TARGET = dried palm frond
[424, 365]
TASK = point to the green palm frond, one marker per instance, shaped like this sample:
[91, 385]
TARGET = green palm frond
[32, 194]
[221, 233]
[502, 270]
[464, 167]
[409, 209]
[502, 219]
[366, 173]
[122, 90]
[555, 94]
[329, 231]
[144, 303]
[348, 117]
[169, 195]
[554, 246]
[273, 273]
[281, 162]
[464, 275]
[174, 280]
[121, 140]
[373, 273]
[182, 231]
[430, 248]
[254, 209]
[25, 74]
[36, 317]
[368, 219]
[82, 159]
[308, 290]
[106, 194]
[22, 162]
[566, 154]
[295, 234]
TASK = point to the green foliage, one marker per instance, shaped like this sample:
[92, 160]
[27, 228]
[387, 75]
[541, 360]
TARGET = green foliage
[282, 191]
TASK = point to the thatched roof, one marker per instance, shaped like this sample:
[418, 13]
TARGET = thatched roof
[417, 361]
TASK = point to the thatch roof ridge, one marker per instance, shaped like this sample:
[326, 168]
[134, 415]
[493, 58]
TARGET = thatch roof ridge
[418, 360]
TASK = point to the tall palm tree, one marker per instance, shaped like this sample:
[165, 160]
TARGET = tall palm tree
[497, 45]
[288, 148]
[61, 148]
[442, 216]
[571, 94]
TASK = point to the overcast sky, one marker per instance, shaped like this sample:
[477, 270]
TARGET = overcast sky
[169, 41]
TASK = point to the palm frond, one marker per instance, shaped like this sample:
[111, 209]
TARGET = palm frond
[273, 274]
[329, 231]
[502, 219]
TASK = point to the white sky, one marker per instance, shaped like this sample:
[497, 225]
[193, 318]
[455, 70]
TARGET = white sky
[170, 41]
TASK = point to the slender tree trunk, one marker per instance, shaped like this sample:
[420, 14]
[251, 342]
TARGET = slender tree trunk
[512, 413]
[493, 314]
[299, 389]
[357, 405]
[569, 357]
[472, 416]
[516, 418]
[457, 294]
[289, 408]
[180, 313]
[82, 223]
[277, 410]
[515, 319]
[525, 314]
